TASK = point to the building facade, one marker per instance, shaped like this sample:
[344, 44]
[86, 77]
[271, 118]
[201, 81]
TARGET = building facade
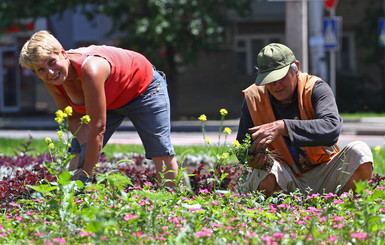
[217, 79]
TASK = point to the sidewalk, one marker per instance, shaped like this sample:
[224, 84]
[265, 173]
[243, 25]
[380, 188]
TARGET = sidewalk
[48, 123]
[363, 126]
[370, 130]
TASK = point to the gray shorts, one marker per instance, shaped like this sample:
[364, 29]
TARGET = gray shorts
[324, 178]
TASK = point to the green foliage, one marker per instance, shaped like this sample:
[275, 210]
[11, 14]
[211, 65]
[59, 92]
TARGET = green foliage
[114, 211]
[139, 216]
[183, 27]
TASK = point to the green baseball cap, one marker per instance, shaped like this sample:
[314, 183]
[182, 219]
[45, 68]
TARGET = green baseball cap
[273, 63]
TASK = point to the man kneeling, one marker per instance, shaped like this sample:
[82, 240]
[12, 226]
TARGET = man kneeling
[295, 115]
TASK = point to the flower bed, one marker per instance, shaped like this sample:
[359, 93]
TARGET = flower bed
[124, 204]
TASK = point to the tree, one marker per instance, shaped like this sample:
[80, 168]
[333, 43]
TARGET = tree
[168, 32]
[368, 40]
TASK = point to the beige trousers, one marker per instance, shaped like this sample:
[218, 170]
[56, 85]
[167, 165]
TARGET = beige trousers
[325, 178]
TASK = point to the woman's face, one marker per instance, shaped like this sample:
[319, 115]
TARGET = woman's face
[53, 69]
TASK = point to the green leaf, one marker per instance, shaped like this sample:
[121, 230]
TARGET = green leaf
[64, 178]
[44, 189]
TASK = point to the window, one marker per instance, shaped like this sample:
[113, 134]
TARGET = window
[246, 52]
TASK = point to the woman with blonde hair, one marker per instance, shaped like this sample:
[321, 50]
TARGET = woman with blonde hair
[108, 84]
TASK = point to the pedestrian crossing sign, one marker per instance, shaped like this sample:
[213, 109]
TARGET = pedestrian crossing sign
[331, 33]
[381, 32]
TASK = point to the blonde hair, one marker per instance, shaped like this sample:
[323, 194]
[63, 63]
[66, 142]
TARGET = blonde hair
[39, 46]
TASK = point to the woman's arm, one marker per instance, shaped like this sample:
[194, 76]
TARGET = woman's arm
[95, 72]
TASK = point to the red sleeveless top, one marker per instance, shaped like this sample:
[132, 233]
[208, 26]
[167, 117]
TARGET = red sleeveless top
[131, 74]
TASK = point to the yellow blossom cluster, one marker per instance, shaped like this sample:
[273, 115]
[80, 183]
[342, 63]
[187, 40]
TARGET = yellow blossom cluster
[223, 112]
[227, 130]
[202, 118]
[61, 115]
[85, 119]
[224, 155]
[51, 145]
[60, 134]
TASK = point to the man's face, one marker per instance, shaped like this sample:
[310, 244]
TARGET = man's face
[284, 89]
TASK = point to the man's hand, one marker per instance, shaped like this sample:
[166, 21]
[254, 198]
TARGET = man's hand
[264, 135]
[258, 160]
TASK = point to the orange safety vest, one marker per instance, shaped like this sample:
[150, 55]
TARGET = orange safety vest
[261, 111]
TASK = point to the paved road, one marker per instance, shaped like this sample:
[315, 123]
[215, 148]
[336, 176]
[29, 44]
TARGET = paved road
[179, 138]
[370, 130]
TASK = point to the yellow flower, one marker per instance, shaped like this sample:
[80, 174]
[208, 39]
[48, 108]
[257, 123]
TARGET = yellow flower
[85, 119]
[60, 115]
[68, 110]
[51, 146]
[208, 140]
[60, 134]
[377, 149]
[227, 130]
[223, 112]
[48, 140]
[236, 143]
[202, 118]
[224, 155]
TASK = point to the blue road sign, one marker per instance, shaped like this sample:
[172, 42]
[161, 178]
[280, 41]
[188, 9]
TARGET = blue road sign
[381, 32]
[331, 34]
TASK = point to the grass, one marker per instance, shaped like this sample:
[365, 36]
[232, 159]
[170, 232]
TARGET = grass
[9, 147]
[359, 115]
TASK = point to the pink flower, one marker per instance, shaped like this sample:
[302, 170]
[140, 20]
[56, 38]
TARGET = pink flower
[2, 234]
[82, 233]
[139, 234]
[338, 201]
[332, 238]
[204, 191]
[278, 235]
[361, 236]
[204, 232]
[160, 238]
[216, 225]
[59, 240]
[330, 195]
[38, 200]
[268, 240]
[322, 219]
[78, 200]
[283, 206]
[129, 216]
[147, 183]
[195, 209]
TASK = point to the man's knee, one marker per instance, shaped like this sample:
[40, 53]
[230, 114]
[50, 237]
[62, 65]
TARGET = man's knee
[364, 171]
[269, 185]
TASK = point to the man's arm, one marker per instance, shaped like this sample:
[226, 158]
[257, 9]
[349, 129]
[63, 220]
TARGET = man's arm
[325, 129]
